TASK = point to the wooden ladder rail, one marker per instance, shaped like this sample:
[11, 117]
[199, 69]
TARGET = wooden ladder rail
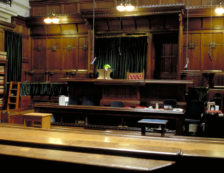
[14, 96]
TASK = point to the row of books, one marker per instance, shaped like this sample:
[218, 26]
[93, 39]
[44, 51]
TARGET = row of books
[3, 55]
[1, 89]
[2, 68]
[1, 102]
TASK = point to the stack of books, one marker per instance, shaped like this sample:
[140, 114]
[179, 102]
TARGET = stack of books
[1, 102]
[3, 55]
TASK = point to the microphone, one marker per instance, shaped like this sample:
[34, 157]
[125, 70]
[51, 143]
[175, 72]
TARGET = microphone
[93, 61]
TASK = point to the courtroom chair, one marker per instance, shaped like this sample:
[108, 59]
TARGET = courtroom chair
[170, 102]
[194, 118]
[135, 76]
[88, 101]
[117, 104]
[73, 101]
[217, 98]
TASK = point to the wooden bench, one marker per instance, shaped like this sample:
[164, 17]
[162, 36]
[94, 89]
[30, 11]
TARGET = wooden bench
[147, 122]
[37, 119]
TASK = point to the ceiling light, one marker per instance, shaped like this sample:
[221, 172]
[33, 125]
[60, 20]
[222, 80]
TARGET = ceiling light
[51, 19]
[120, 7]
[219, 10]
[47, 20]
[129, 7]
[125, 5]
[55, 20]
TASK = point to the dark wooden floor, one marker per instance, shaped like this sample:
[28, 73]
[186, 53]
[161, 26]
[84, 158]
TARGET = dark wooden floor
[106, 150]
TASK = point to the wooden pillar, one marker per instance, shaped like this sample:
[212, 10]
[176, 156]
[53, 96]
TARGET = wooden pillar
[180, 46]
[149, 61]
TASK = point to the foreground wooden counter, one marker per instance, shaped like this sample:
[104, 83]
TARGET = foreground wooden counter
[102, 150]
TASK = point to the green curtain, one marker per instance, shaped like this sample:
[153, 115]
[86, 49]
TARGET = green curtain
[13, 47]
[124, 54]
[43, 89]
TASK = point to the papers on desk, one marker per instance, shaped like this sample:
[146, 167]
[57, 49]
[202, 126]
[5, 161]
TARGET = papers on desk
[63, 100]
[151, 109]
[178, 109]
[165, 110]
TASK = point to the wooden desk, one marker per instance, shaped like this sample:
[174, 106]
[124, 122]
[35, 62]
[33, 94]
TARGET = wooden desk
[102, 111]
[36, 119]
[130, 92]
[147, 122]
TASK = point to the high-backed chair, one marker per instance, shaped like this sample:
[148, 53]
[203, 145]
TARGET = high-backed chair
[89, 101]
[73, 101]
[117, 104]
[170, 102]
[194, 115]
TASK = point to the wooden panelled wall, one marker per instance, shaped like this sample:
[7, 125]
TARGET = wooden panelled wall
[200, 36]
[54, 51]
[205, 46]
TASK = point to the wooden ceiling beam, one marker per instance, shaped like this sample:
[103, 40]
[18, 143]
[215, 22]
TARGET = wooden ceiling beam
[146, 11]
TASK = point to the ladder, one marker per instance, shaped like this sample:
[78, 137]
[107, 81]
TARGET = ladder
[14, 95]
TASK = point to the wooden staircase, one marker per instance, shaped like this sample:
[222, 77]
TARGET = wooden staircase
[13, 97]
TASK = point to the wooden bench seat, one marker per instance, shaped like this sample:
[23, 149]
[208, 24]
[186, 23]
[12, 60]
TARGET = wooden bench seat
[147, 122]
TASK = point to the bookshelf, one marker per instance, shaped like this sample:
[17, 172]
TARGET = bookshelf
[3, 72]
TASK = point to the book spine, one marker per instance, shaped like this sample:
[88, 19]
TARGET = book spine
[3, 53]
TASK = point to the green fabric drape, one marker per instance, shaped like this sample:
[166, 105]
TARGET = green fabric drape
[124, 54]
[13, 47]
[43, 89]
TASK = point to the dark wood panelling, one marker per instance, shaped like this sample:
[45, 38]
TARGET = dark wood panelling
[194, 51]
[70, 29]
[38, 11]
[82, 52]
[194, 24]
[212, 55]
[214, 23]
[69, 52]
[53, 29]
[54, 54]
[39, 47]
[129, 25]
[82, 28]
[69, 8]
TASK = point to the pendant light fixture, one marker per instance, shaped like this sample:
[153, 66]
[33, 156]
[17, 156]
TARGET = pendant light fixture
[219, 10]
[52, 19]
[125, 5]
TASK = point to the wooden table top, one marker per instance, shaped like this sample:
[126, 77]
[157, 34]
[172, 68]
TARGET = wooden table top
[127, 82]
[37, 114]
[107, 108]
[88, 159]
[137, 145]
